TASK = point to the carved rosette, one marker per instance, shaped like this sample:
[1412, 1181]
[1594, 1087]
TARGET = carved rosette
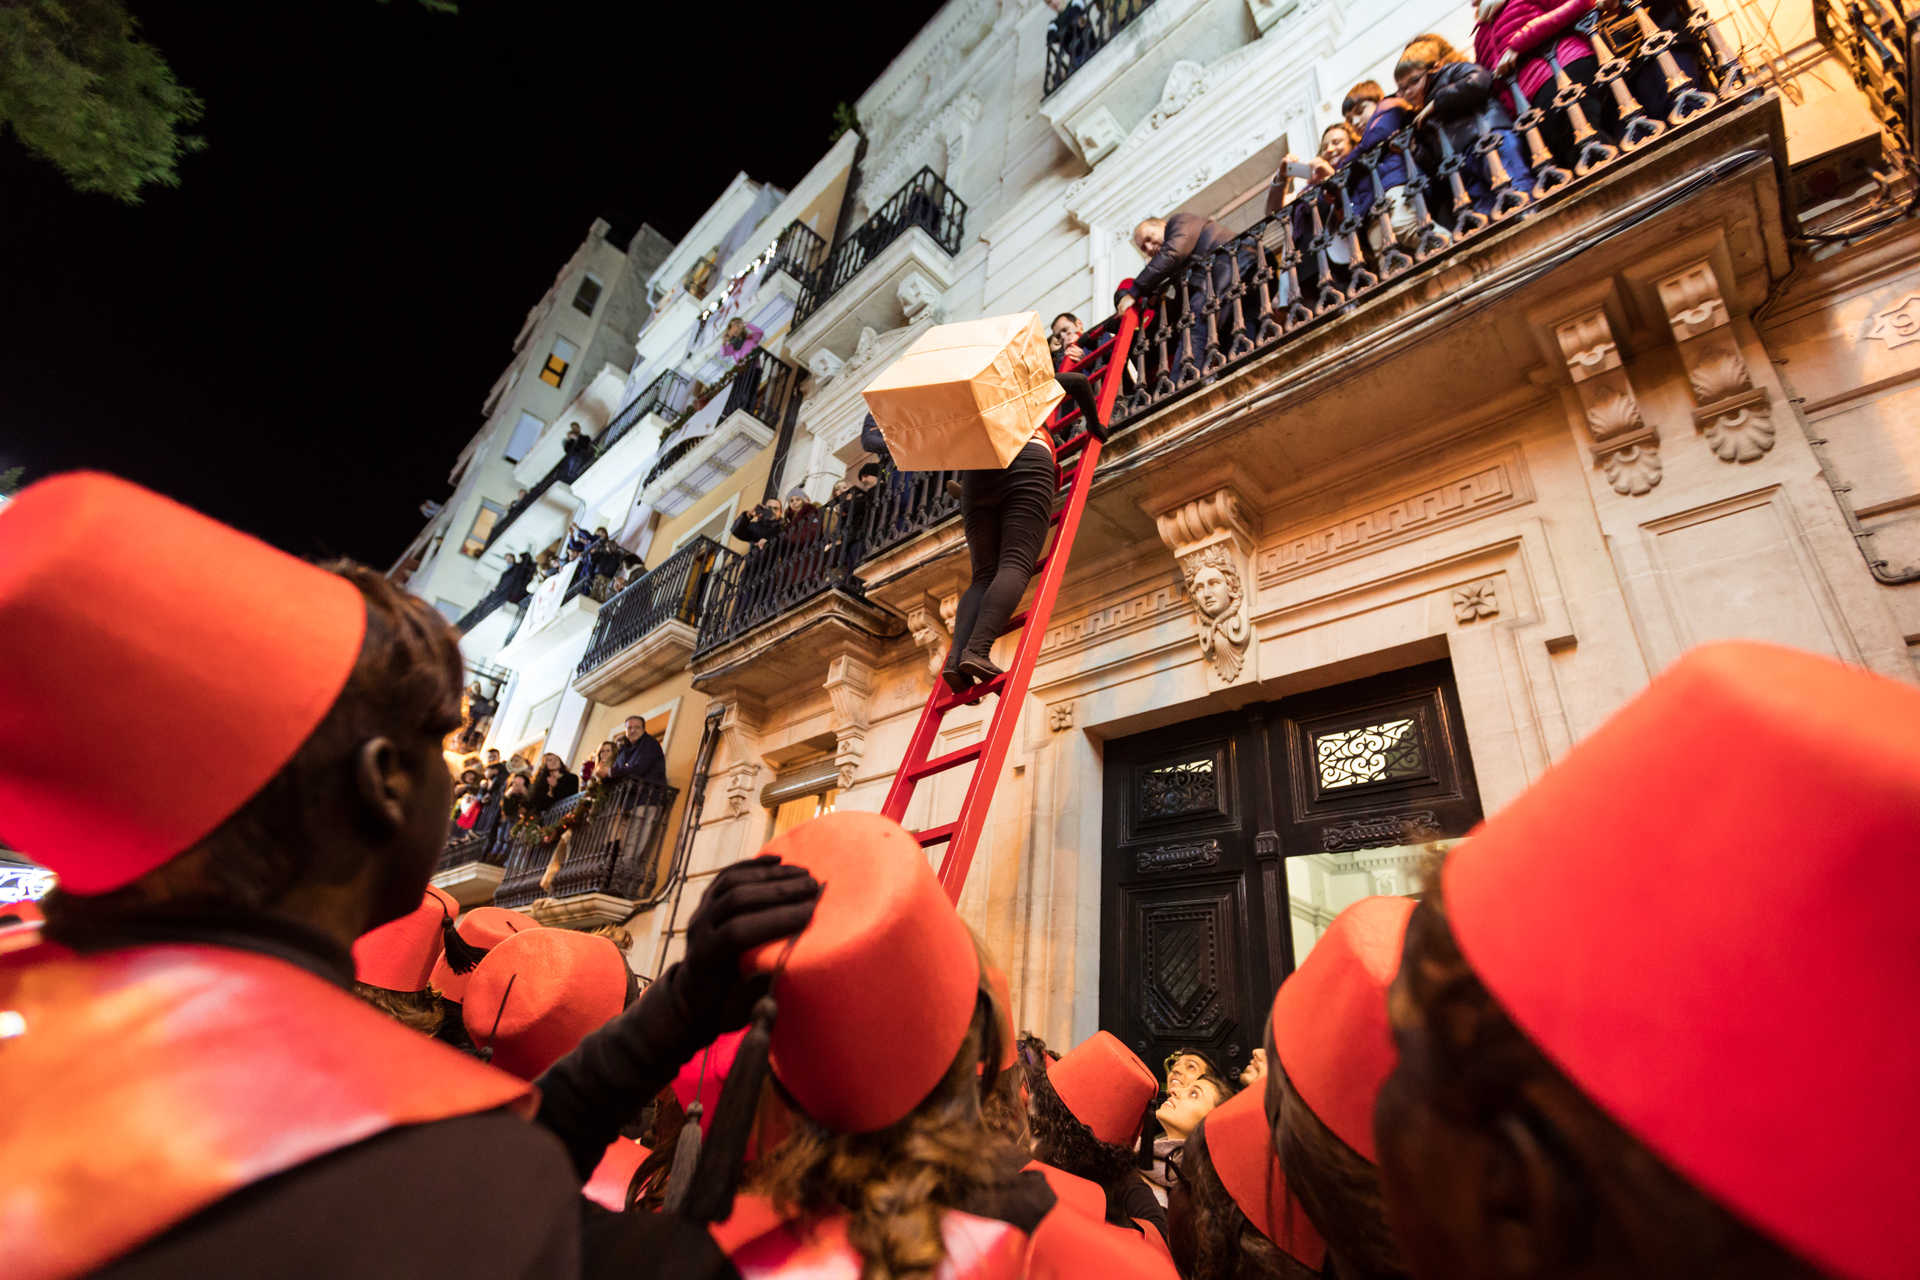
[1624, 447]
[1213, 545]
[849, 686]
[1733, 415]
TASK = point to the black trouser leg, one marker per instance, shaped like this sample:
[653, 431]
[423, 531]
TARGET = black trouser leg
[1079, 389]
[1007, 514]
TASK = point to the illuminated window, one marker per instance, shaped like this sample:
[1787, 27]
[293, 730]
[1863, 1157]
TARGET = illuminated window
[803, 809]
[557, 361]
[1382, 752]
[483, 525]
[587, 296]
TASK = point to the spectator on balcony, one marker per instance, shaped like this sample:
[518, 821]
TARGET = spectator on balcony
[517, 578]
[605, 559]
[1173, 244]
[1441, 84]
[757, 525]
[641, 759]
[1070, 36]
[1358, 106]
[739, 339]
[1318, 213]
[1386, 175]
[578, 448]
[516, 799]
[553, 782]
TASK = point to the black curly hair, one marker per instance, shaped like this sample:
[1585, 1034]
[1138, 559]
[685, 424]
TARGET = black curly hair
[1211, 1238]
[1059, 1138]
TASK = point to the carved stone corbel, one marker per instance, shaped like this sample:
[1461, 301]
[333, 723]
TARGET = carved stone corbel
[741, 720]
[932, 633]
[849, 686]
[919, 298]
[1210, 539]
[1624, 446]
[1733, 414]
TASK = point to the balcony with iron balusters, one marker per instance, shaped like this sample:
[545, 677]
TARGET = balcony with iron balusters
[889, 270]
[633, 436]
[721, 430]
[587, 860]
[647, 632]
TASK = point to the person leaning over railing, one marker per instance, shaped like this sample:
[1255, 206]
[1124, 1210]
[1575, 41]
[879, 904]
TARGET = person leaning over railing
[1170, 245]
[1337, 144]
[1454, 96]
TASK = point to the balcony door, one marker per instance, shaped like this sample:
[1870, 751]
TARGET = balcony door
[1229, 843]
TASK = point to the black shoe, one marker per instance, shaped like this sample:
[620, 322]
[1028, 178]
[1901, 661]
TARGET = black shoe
[979, 670]
[955, 681]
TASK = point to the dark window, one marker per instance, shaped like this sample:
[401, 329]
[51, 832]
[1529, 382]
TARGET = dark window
[587, 296]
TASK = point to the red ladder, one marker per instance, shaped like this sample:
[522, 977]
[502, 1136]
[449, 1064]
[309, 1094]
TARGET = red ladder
[1105, 362]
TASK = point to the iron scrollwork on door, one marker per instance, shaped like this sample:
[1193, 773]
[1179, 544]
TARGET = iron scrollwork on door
[1382, 752]
[1382, 829]
[1178, 857]
[1174, 789]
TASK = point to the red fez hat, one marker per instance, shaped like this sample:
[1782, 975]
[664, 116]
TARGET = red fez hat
[1106, 1086]
[539, 993]
[1003, 997]
[608, 1184]
[400, 954]
[1329, 1019]
[482, 929]
[877, 993]
[123, 614]
[1239, 1142]
[1690, 916]
[703, 1075]
[25, 911]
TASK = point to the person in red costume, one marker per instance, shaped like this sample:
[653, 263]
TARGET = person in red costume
[1655, 1018]
[881, 1033]
[1231, 1214]
[208, 1097]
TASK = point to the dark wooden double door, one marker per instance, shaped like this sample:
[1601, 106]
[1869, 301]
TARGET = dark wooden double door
[1229, 842]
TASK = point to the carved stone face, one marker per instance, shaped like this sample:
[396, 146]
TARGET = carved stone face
[1213, 592]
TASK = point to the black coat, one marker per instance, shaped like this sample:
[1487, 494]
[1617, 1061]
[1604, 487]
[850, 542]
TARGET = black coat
[545, 797]
[642, 760]
[1189, 236]
[515, 580]
[751, 526]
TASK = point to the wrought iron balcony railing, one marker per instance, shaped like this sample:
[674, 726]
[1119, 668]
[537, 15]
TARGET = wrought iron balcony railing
[566, 471]
[1876, 41]
[799, 252]
[667, 396]
[502, 593]
[671, 591]
[809, 555]
[482, 842]
[1083, 29]
[614, 850]
[761, 384]
[925, 202]
[583, 584]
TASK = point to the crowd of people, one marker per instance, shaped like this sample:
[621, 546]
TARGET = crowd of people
[1463, 138]
[1647, 1020]
[515, 788]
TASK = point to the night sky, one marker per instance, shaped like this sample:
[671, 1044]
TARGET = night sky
[299, 337]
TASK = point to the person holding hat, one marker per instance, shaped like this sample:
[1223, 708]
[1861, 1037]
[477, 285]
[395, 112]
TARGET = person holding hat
[205, 1087]
[1655, 1017]
[1087, 1111]
[393, 964]
[1328, 1053]
[881, 1171]
[1230, 1216]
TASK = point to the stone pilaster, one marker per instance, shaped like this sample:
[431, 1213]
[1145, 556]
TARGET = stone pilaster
[849, 685]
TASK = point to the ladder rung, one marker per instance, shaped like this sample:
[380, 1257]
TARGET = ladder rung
[936, 835]
[1074, 445]
[975, 693]
[940, 764]
[1068, 476]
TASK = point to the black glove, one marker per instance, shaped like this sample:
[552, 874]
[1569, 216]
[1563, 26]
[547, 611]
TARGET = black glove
[748, 904]
[588, 1095]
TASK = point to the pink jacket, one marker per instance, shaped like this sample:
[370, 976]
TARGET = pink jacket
[1525, 26]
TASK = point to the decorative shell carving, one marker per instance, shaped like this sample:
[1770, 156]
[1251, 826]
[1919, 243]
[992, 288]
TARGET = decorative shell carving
[1744, 435]
[1718, 374]
[1633, 470]
[1612, 413]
